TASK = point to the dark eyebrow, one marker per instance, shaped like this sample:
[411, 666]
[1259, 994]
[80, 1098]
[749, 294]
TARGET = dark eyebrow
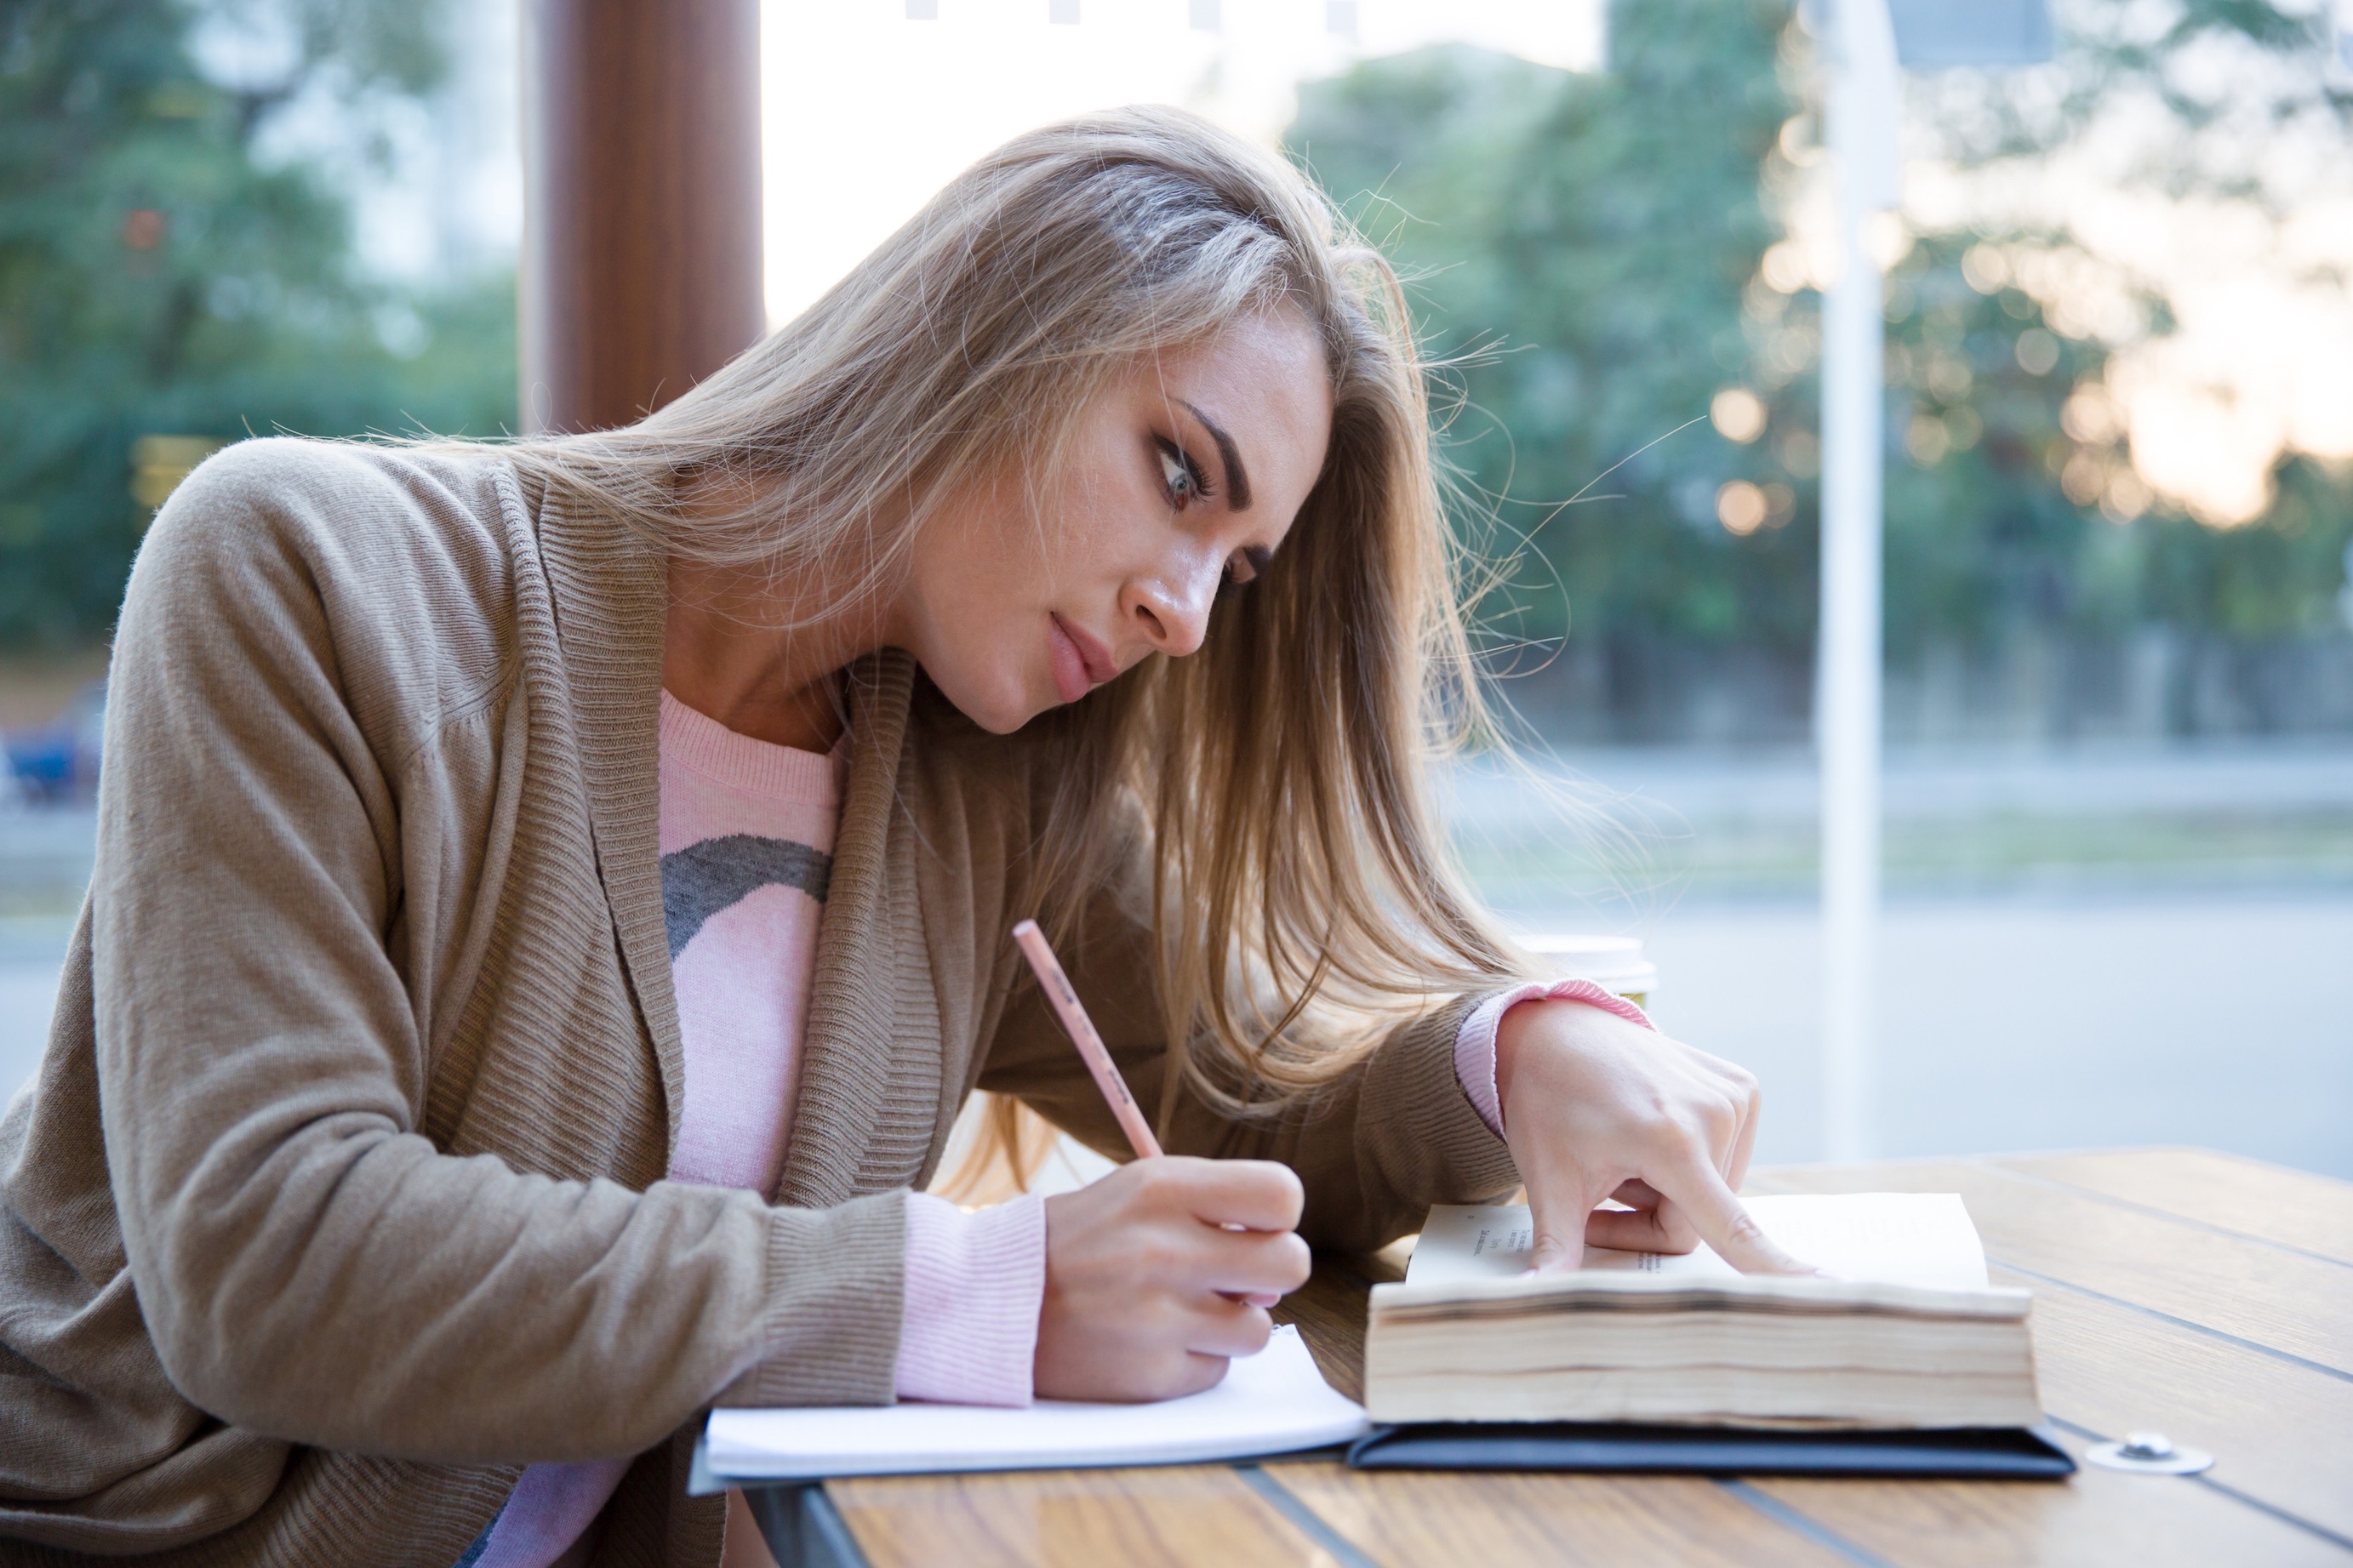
[1238, 494]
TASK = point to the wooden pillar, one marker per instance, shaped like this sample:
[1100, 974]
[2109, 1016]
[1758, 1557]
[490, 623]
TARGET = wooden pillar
[642, 233]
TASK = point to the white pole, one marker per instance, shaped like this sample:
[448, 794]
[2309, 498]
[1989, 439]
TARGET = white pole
[1862, 127]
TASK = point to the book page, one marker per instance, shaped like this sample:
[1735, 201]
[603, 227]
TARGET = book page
[1897, 1238]
[1272, 1403]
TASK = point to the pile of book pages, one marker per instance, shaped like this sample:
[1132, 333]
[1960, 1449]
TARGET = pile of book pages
[1902, 1329]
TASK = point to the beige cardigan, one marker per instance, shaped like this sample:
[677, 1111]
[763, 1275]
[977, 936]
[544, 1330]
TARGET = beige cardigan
[338, 1196]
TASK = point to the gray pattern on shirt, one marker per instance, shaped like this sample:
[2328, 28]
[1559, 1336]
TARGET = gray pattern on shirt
[701, 880]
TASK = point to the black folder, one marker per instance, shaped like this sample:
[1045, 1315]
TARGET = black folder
[1965, 1454]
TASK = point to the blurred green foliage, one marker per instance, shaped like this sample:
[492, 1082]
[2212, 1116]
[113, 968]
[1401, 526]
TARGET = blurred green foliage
[1579, 245]
[157, 277]
[1585, 250]
[1588, 251]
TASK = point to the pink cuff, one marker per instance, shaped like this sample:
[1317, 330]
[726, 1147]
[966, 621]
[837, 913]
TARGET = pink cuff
[975, 1283]
[1474, 1047]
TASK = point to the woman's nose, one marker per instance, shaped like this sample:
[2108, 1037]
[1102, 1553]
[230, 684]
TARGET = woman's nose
[1173, 616]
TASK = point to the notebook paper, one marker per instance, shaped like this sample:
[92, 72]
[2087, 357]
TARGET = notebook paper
[1271, 1403]
[1894, 1238]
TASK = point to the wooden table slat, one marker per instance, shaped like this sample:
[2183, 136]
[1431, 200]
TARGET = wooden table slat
[2271, 1203]
[1159, 1518]
[2115, 1370]
[2096, 1516]
[1433, 1518]
[2258, 1293]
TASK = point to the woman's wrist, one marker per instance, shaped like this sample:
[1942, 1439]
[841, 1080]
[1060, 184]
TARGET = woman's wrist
[1512, 1031]
[1562, 1010]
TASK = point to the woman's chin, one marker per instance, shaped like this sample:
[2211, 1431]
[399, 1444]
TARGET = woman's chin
[999, 712]
[1004, 723]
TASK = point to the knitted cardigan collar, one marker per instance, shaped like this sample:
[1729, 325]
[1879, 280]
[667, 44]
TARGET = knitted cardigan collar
[608, 589]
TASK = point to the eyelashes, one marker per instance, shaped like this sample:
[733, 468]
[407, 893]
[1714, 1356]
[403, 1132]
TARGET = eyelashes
[1186, 484]
[1181, 479]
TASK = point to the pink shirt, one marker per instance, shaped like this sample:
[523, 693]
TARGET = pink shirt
[747, 832]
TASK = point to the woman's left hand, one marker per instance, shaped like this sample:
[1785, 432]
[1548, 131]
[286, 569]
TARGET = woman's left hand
[1596, 1107]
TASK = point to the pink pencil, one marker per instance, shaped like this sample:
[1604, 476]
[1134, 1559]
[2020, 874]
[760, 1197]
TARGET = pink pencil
[1081, 1030]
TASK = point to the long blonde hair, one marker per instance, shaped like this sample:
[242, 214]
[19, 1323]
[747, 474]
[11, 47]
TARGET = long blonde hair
[1302, 892]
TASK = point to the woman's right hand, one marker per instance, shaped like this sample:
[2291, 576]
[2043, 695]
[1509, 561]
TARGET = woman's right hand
[1149, 1272]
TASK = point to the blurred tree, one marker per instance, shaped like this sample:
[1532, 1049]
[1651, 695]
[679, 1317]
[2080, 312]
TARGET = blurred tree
[2224, 106]
[1579, 245]
[1604, 259]
[1981, 538]
[158, 279]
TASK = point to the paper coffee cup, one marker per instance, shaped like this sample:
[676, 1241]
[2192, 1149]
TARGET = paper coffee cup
[1613, 963]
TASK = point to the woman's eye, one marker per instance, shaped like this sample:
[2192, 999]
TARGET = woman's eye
[1180, 476]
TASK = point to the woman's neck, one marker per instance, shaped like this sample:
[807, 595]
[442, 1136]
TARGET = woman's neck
[732, 651]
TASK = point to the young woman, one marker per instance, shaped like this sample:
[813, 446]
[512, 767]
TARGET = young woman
[552, 899]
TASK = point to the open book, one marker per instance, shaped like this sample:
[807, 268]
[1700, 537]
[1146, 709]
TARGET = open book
[1905, 1332]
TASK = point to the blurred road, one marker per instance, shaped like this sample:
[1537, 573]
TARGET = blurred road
[1631, 829]
[28, 989]
[2006, 1026]
[2044, 1024]
[2191, 991]
[2119, 945]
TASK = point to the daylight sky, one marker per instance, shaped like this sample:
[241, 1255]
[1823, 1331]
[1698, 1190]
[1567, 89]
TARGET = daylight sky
[867, 112]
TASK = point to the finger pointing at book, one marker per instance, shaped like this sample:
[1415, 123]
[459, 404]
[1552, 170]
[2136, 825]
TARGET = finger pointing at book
[1596, 1106]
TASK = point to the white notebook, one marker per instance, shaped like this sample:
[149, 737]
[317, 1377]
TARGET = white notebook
[1271, 1403]
[1895, 1238]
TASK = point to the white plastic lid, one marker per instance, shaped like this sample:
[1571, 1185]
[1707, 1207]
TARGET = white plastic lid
[1613, 961]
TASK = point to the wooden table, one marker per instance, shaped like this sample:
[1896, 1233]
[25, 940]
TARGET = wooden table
[2197, 1294]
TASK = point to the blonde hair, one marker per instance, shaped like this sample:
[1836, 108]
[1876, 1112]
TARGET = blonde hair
[1302, 892]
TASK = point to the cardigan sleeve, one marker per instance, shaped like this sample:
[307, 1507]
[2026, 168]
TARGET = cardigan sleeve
[308, 1264]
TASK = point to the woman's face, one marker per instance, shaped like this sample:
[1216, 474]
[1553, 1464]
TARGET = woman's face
[1182, 476]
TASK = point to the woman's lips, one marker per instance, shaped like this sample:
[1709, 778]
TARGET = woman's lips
[1069, 664]
[1081, 663]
